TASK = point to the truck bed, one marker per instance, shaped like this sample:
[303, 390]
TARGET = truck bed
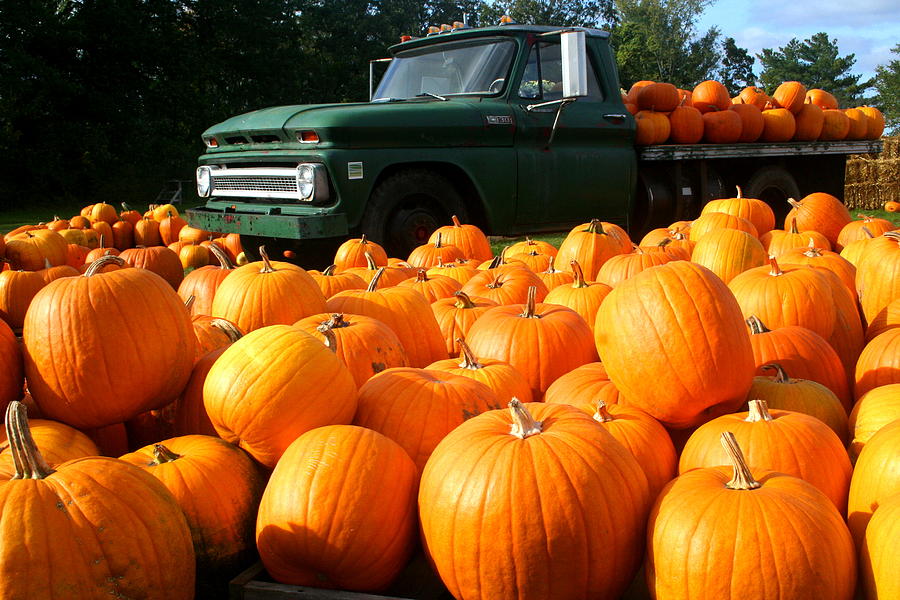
[755, 150]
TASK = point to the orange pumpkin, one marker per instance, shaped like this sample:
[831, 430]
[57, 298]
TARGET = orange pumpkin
[660, 97]
[779, 125]
[158, 259]
[728, 253]
[583, 386]
[202, 283]
[146, 233]
[721, 126]
[339, 511]
[591, 245]
[756, 211]
[752, 123]
[652, 128]
[835, 126]
[468, 238]
[686, 125]
[878, 555]
[12, 375]
[504, 379]
[428, 255]
[58, 443]
[821, 98]
[17, 289]
[582, 296]
[33, 250]
[710, 95]
[875, 478]
[456, 315]
[876, 408]
[875, 281]
[874, 122]
[858, 124]
[432, 287]
[790, 95]
[352, 253]
[810, 119]
[709, 221]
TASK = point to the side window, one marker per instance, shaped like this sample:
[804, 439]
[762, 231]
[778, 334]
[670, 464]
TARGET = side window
[542, 79]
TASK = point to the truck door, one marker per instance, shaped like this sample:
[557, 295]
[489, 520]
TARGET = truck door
[588, 169]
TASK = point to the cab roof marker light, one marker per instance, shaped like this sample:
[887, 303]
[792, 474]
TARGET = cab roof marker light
[446, 28]
[405, 38]
[506, 20]
[433, 30]
[459, 25]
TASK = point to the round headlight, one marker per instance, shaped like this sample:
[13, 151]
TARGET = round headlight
[305, 181]
[203, 181]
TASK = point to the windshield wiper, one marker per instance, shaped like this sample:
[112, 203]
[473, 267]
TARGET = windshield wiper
[429, 94]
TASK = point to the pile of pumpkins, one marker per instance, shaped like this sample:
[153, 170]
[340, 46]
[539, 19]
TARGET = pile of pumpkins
[711, 412]
[668, 115]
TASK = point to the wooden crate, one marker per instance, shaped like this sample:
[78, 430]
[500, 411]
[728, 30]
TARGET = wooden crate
[416, 582]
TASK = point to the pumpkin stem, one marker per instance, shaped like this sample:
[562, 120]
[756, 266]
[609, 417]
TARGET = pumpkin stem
[267, 265]
[102, 262]
[463, 300]
[373, 285]
[421, 276]
[495, 262]
[756, 326]
[595, 226]
[161, 455]
[469, 361]
[780, 375]
[455, 220]
[370, 262]
[362, 239]
[759, 411]
[742, 478]
[812, 251]
[550, 267]
[190, 302]
[602, 413]
[221, 256]
[739, 196]
[794, 226]
[330, 338]
[102, 241]
[529, 313]
[329, 270]
[437, 242]
[230, 329]
[523, 424]
[337, 321]
[28, 461]
[578, 272]
[776, 270]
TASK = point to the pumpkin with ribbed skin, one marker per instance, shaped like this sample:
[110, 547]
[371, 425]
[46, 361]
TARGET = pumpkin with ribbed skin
[821, 98]
[858, 124]
[809, 120]
[267, 293]
[417, 408]
[534, 260]
[534, 549]
[582, 296]
[756, 211]
[876, 408]
[721, 126]
[779, 241]
[405, 311]
[661, 97]
[468, 238]
[853, 230]
[188, 414]
[507, 284]
[542, 341]
[159, 259]
[582, 386]
[193, 256]
[33, 250]
[819, 212]
[213, 333]
[553, 277]
[218, 489]
[874, 122]
[790, 95]
[800, 395]
[458, 270]
[639, 326]
[835, 126]
[887, 318]
[95, 527]
[710, 95]
[428, 255]
[879, 363]
[193, 235]
[146, 233]
[17, 289]
[707, 539]
[105, 315]
[456, 315]
[779, 125]
[824, 259]
[752, 122]
[432, 287]
[57, 441]
[504, 379]
[331, 282]
[878, 555]
[170, 227]
[12, 374]
[728, 253]
[365, 345]
[274, 384]
[715, 220]
[802, 352]
[776, 440]
[755, 96]
[623, 266]
[389, 277]
[339, 511]
[686, 125]
[876, 478]
[352, 253]
[877, 280]
[202, 283]
[652, 128]
[590, 245]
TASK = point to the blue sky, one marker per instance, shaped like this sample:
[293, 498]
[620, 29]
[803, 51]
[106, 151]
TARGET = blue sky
[866, 28]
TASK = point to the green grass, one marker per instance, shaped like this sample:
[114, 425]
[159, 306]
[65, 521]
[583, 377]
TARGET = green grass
[498, 243]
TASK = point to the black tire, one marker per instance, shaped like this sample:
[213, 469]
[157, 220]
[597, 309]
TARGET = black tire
[773, 185]
[406, 208]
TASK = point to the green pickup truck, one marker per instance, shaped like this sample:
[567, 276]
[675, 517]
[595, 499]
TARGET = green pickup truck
[516, 128]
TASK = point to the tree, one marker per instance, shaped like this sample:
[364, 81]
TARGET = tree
[656, 40]
[815, 63]
[581, 13]
[736, 71]
[887, 86]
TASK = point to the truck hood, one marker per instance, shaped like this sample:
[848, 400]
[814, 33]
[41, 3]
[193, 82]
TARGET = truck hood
[423, 122]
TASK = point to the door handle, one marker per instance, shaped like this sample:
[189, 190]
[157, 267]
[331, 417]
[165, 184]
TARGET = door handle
[617, 116]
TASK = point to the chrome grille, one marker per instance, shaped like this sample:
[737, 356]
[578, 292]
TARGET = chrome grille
[256, 184]
[271, 182]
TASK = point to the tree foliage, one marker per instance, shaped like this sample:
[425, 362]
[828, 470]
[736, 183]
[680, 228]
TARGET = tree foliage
[887, 87]
[736, 71]
[815, 62]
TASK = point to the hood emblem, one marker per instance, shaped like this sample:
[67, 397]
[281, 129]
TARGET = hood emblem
[499, 119]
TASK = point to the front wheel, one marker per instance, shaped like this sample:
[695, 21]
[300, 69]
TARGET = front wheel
[406, 208]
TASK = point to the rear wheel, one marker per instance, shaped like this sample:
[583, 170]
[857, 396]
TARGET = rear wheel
[773, 185]
[406, 208]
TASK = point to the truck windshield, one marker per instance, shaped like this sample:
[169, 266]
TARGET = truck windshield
[461, 68]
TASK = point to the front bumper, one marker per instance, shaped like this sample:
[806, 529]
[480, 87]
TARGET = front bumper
[316, 224]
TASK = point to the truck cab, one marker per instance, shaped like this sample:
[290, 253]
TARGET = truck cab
[477, 123]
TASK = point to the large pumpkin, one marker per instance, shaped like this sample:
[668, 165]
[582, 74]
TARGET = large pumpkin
[878, 555]
[468, 238]
[352, 253]
[57, 441]
[504, 379]
[95, 527]
[673, 341]
[32, 250]
[876, 408]
[418, 407]
[12, 375]
[217, 487]
[274, 384]
[339, 511]
[17, 289]
[456, 315]
[590, 245]
[790, 95]
[876, 275]
[582, 296]
[331, 282]
[819, 212]
[202, 283]
[876, 478]
[267, 293]
[585, 386]
[506, 284]
[586, 543]
[542, 341]
[711, 537]
[728, 253]
[88, 359]
[159, 259]
[710, 95]
[756, 211]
